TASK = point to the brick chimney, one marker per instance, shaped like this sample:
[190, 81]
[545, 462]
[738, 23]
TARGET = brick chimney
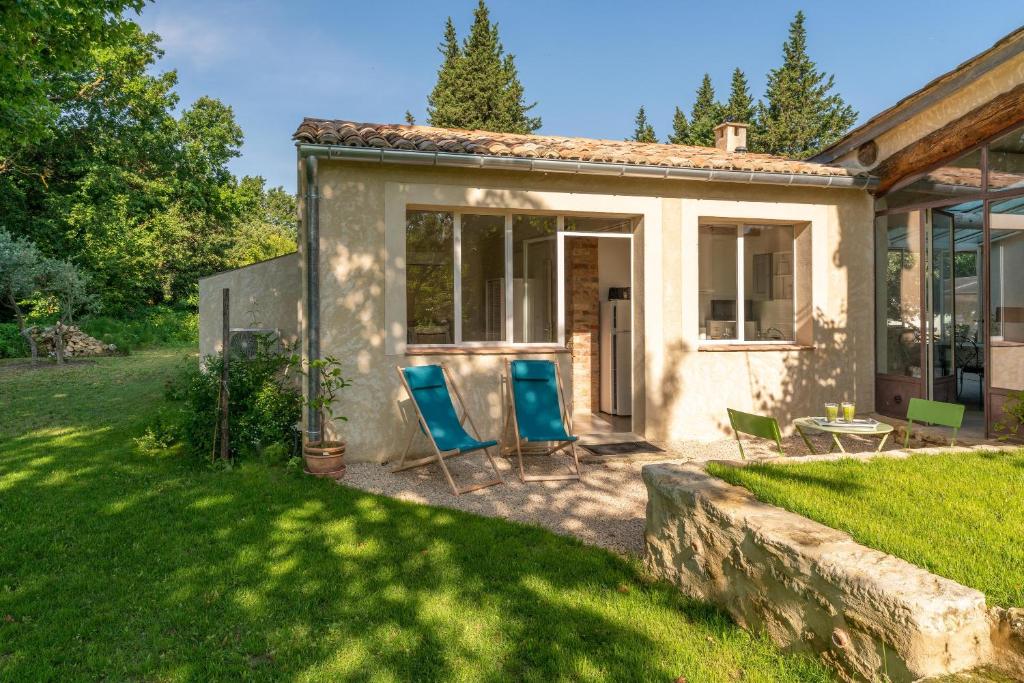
[731, 136]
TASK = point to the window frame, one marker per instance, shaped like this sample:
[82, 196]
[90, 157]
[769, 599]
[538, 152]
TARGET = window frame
[509, 341]
[741, 312]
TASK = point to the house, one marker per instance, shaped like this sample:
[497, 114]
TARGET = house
[669, 282]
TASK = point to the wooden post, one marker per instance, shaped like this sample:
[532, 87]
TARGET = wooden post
[225, 441]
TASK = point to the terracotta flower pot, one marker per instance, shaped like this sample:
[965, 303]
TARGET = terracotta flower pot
[325, 458]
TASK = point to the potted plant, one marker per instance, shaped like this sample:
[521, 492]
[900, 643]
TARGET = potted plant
[325, 458]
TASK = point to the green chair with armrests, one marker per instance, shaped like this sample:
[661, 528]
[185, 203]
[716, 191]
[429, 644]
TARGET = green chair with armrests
[755, 425]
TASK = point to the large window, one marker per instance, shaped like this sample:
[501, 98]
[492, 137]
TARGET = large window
[477, 278]
[430, 277]
[898, 294]
[747, 282]
[1006, 298]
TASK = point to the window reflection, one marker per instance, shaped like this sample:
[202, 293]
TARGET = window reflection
[1006, 162]
[1006, 298]
[898, 296]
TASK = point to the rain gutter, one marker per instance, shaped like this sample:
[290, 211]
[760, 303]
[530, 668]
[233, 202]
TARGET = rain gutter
[313, 427]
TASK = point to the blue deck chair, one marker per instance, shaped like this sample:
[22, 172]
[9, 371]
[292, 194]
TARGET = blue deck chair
[437, 417]
[535, 412]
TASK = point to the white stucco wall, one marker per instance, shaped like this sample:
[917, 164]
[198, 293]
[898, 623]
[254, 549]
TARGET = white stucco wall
[362, 223]
[274, 286]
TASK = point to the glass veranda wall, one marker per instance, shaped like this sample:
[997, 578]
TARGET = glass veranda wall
[949, 261]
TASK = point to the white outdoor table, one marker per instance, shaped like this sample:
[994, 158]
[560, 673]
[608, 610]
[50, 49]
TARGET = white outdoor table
[836, 429]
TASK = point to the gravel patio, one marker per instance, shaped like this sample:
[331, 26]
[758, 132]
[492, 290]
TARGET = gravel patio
[608, 509]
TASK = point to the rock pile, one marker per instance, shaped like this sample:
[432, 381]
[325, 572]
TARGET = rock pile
[76, 342]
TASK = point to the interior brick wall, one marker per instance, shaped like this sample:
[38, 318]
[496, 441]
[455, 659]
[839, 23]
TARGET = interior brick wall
[583, 329]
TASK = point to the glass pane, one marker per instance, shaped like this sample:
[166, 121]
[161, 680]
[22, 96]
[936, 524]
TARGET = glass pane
[597, 224]
[956, 179]
[534, 268]
[768, 282]
[1006, 162]
[898, 295]
[1006, 308]
[429, 277]
[941, 281]
[483, 278]
[717, 276]
[969, 341]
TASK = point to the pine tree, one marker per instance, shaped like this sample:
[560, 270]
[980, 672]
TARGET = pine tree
[644, 131]
[740, 107]
[680, 129]
[478, 85]
[800, 116]
[410, 120]
[443, 103]
[705, 115]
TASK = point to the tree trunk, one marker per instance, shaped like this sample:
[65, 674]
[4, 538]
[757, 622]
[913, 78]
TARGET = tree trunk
[58, 341]
[25, 332]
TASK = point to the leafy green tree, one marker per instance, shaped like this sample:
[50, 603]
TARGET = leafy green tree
[740, 107]
[680, 129]
[68, 287]
[42, 44]
[705, 116]
[21, 274]
[478, 84]
[643, 131]
[266, 226]
[801, 115]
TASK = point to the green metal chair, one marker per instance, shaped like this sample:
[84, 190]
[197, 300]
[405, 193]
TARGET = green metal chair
[934, 412]
[755, 425]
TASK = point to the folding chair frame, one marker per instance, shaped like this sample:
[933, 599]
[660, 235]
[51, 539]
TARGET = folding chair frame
[736, 417]
[440, 456]
[512, 424]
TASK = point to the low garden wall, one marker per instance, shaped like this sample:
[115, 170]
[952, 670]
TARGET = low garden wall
[813, 588]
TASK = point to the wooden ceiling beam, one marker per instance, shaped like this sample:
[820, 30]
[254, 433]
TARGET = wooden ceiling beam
[952, 139]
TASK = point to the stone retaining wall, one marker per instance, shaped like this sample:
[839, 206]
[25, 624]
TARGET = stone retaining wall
[810, 587]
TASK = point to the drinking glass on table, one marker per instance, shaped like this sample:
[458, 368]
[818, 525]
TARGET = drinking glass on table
[831, 411]
[849, 410]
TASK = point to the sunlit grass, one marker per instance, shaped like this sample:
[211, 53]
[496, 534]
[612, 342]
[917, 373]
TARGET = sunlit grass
[122, 565]
[957, 515]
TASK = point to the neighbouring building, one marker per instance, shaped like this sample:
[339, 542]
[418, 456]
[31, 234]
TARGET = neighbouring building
[669, 282]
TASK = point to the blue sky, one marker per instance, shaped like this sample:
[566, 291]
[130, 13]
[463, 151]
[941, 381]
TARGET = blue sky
[589, 65]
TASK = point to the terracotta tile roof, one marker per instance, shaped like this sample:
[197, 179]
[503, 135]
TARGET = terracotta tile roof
[478, 142]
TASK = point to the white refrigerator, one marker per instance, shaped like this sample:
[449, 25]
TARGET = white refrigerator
[616, 357]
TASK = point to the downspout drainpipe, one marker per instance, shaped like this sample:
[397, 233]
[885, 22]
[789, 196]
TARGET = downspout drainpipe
[313, 426]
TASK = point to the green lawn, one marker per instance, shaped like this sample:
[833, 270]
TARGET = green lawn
[118, 564]
[959, 516]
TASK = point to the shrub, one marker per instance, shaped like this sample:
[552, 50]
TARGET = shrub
[264, 404]
[156, 326]
[1010, 426]
[12, 344]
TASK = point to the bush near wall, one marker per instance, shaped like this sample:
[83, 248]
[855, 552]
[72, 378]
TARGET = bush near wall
[264, 404]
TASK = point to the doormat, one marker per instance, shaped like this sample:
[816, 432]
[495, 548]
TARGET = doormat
[624, 448]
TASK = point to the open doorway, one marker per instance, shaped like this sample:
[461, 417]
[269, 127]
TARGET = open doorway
[955, 298]
[599, 324]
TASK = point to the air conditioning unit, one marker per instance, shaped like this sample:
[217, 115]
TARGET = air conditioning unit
[248, 342]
